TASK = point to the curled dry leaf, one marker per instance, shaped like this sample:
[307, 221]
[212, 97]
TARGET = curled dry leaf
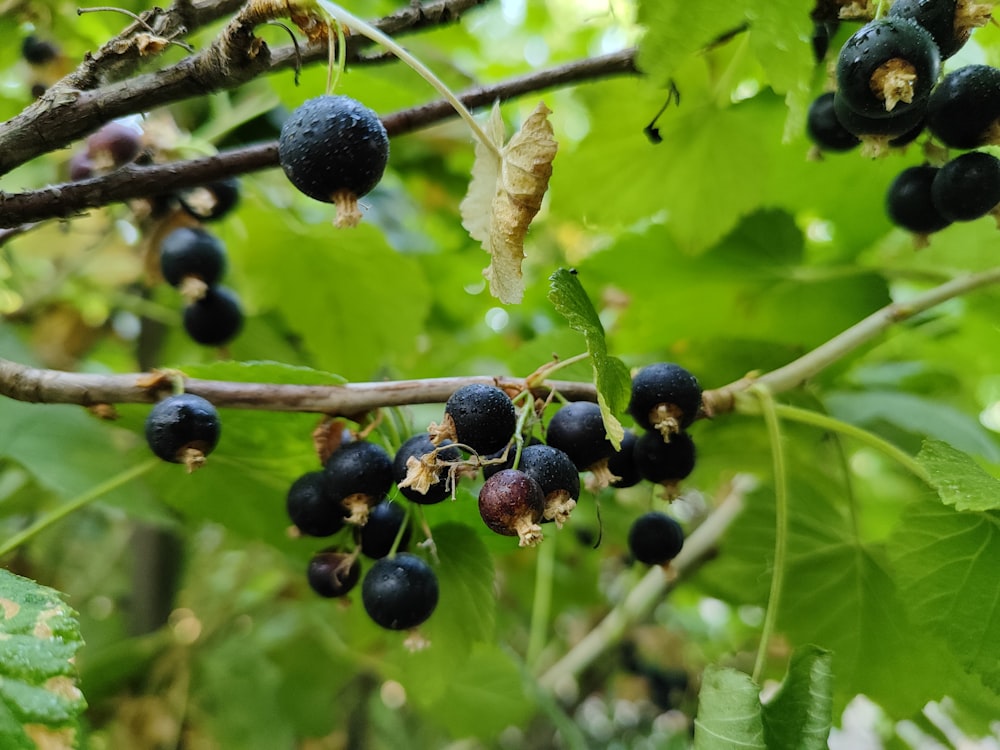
[505, 194]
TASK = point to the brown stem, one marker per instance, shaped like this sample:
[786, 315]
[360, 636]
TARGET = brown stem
[82, 102]
[133, 181]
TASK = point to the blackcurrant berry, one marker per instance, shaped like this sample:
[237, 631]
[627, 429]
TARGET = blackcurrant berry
[665, 397]
[655, 538]
[480, 416]
[191, 252]
[489, 468]
[964, 109]
[183, 429]
[578, 430]
[311, 508]
[664, 463]
[512, 504]
[888, 65]
[823, 31]
[824, 129]
[358, 475]
[334, 149]
[332, 573]
[936, 16]
[37, 51]
[420, 469]
[908, 201]
[400, 592]
[557, 475]
[213, 201]
[381, 529]
[879, 133]
[215, 319]
[968, 186]
[114, 144]
[622, 463]
[80, 166]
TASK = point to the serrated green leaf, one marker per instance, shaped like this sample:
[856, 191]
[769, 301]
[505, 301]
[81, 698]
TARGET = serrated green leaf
[801, 713]
[611, 376]
[39, 636]
[958, 479]
[947, 563]
[729, 712]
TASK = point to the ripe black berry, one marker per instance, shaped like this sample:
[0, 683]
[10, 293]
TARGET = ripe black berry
[664, 463]
[358, 475]
[889, 65]
[183, 429]
[908, 201]
[334, 149]
[311, 508]
[879, 133]
[824, 129]
[37, 51]
[655, 538]
[215, 319]
[400, 592]
[213, 201]
[381, 529]
[420, 469]
[936, 16]
[479, 416]
[622, 463]
[332, 573]
[578, 430]
[557, 475]
[512, 504]
[968, 186]
[964, 109]
[191, 252]
[665, 397]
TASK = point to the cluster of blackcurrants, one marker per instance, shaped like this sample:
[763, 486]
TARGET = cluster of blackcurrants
[527, 483]
[889, 92]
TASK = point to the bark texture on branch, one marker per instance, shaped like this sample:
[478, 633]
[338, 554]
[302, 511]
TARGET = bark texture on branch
[134, 181]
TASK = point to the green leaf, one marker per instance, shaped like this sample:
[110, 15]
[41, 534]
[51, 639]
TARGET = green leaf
[40, 702]
[611, 376]
[947, 563]
[484, 696]
[729, 712]
[676, 30]
[262, 372]
[801, 713]
[958, 479]
[915, 414]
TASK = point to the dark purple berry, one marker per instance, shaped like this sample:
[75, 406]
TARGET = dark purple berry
[479, 416]
[908, 201]
[489, 469]
[379, 533]
[400, 592]
[183, 429]
[80, 166]
[655, 538]
[949, 22]
[824, 129]
[664, 462]
[888, 66]
[192, 252]
[114, 144]
[213, 201]
[358, 475]
[512, 504]
[215, 319]
[334, 149]
[622, 463]
[964, 109]
[665, 397]
[420, 469]
[968, 186]
[876, 133]
[332, 573]
[312, 509]
[578, 430]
